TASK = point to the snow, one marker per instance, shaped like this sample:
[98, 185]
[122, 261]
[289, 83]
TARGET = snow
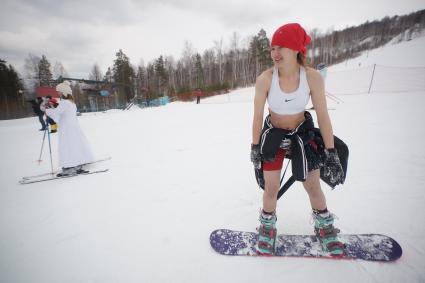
[405, 53]
[391, 68]
[180, 171]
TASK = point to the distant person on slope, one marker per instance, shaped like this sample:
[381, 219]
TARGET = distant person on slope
[49, 102]
[198, 93]
[74, 149]
[289, 131]
[50, 121]
[35, 104]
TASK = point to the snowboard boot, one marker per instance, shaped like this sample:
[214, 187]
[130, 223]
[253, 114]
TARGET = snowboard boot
[327, 234]
[267, 234]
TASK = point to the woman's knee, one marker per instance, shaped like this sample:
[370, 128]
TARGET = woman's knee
[271, 191]
[313, 181]
[272, 182]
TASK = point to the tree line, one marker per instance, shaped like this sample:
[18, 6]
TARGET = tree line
[215, 70]
[337, 46]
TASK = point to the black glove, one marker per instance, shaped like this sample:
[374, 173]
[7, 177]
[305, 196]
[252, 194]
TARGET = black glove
[332, 167]
[256, 155]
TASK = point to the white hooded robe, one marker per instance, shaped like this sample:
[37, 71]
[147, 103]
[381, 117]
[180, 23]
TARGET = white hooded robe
[74, 148]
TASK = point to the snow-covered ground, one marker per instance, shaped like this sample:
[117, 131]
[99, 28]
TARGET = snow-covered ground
[180, 171]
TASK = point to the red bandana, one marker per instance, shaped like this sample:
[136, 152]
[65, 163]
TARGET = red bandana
[291, 36]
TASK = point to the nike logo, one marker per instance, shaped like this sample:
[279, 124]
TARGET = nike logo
[287, 100]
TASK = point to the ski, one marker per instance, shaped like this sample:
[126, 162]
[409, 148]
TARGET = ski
[57, 171]
[30, 181]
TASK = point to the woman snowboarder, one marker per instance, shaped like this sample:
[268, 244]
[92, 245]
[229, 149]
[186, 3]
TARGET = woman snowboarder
[289, 130]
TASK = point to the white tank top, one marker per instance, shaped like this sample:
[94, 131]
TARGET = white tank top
[288, 103]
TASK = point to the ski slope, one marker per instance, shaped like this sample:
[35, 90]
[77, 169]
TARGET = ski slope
[180, 171]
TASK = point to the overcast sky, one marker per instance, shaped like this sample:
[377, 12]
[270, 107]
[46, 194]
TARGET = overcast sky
[81, 33]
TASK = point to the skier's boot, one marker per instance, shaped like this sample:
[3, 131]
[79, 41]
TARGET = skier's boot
[266, 234]
[80, 170]
[53, 128]
[327, 234]
[67, 171]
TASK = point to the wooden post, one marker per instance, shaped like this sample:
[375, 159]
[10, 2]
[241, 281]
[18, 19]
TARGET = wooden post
[371, 80]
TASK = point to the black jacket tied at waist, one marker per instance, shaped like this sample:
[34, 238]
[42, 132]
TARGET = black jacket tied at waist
[271, 139]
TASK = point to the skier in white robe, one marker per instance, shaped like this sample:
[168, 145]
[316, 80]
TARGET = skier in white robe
[74, 149]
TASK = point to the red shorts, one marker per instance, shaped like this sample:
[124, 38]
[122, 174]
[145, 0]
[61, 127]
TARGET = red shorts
[277, 163]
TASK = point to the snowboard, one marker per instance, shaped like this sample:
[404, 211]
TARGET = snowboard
[371, 247]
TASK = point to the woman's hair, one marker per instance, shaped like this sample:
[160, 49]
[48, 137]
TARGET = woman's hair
[302, 59]
[68, 97]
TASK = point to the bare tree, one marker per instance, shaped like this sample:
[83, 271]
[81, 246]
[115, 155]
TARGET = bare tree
[234, 49]
[218, 46]
[59, 70]
[31, 73]
[208, 61]
[95, 73]
[188, 62]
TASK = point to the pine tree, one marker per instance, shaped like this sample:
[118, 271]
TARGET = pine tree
[259, 51]
[169, 66]
[199, 71]
[263, 48]
[141, 80]
[161, 76]
[123, 74]
[11, 93]
[44, 73]
[150, 80]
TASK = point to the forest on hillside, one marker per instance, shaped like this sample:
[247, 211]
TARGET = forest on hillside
[218, 69]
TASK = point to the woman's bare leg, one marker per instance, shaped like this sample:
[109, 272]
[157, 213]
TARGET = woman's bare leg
[314, 191]
[272, 186]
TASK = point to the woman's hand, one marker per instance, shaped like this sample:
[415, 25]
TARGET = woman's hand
[332, 167]
[256, 155]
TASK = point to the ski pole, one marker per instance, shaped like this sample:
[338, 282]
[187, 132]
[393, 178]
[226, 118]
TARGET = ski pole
[42, 145]
[334, 97]
[50, 148]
